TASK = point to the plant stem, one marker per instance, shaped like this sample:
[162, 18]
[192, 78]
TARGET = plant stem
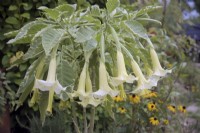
[133, 120]
[85, 120]
[102, 47]
[75, 118]
[164, 12]
[91, 128]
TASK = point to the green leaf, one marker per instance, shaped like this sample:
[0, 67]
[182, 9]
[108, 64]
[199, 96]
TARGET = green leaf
[11, 34]
[84, 34]
[148, 19]
[29, 78]
[26, 15]
[50, 38]
[147, 9]
[108, 106]
[65, 71]
[50, 13]
[26, 32]
[137, 29]
[27, 6]
[70, 9]
[34, 50]
[111, 5]
[26, 88]
[12, 20]
[5, 60]
[90, 45]
[95, 10]
[12, 8]
[43, 103]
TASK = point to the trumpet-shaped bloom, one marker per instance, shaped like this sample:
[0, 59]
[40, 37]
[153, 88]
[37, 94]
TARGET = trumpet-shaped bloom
[104, 88]
[157, 68]
[122, 73]
[50, 84]
[88, 98]
[84, 91]
[81, 93]
[142, 83]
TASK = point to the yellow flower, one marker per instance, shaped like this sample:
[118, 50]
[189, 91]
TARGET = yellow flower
[122, 110]
[117, 98]
[182, 109]
[134, 98]
[165, 121]
[171, 108]
[150, 94]
[151, 106]
[154, 121]
[169, 65]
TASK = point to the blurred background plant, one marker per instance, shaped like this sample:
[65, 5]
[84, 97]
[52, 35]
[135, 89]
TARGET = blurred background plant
[178, 50]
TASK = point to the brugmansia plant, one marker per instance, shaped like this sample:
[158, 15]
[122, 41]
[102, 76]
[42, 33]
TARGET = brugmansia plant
[87, 56]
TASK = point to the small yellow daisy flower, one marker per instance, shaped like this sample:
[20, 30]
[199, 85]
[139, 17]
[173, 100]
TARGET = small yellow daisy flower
[151, 106]
[171, 108]
[169, 65]
[151, 94]
[165, 121]
[122, 110]
[134, 98]
[182, 109]
[117, 98]
[154, 121]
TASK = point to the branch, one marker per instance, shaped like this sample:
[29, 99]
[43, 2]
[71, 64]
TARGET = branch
[91, 128]
[85, 120]
[74, 118]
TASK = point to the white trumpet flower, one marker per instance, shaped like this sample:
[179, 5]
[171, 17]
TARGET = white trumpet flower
[122, 73]
[89, 99]
[81, 93]
[84, 91]
[50, 84]
[104, 88]
[142, 82]
[158, 71]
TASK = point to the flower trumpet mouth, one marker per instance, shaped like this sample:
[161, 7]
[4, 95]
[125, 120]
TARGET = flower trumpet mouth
[104, 88]
[142, 83]
[122, 73]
